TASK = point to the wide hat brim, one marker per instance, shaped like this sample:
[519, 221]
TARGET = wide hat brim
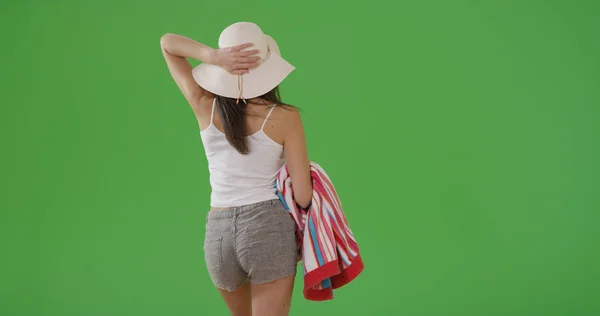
[254, 84]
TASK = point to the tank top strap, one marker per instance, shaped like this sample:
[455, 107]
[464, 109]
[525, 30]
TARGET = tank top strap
[267, 117]
[212, 112]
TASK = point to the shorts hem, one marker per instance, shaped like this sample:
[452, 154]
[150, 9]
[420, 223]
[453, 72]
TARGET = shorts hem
[274, 276]
[235, 287]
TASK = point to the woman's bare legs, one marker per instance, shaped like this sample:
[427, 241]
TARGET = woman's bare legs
[239, 301]
[272, 299]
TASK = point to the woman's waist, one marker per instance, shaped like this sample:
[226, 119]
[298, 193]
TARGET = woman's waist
[228, 198]
[247, 206]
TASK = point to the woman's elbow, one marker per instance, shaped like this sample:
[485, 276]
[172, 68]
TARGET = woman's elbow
[303, 198]
[165, 39]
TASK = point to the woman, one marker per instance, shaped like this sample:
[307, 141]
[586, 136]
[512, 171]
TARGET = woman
[248, 133]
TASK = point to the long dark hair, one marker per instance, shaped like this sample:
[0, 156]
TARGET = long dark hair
[233, 117]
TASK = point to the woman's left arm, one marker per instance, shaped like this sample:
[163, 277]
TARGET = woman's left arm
[176, 49]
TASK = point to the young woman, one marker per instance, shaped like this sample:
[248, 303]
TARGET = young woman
[248, 133]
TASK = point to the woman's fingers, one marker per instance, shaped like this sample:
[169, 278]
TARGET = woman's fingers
[243, 68]
[240, 71]
[242, 46]
[246, 60]
[248, 65]
[252, 59]
[243, 61]
[246, 53]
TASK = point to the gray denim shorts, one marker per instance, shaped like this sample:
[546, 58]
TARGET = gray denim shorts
[255, 243]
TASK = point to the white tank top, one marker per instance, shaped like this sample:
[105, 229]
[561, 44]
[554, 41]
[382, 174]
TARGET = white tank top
[238, 179]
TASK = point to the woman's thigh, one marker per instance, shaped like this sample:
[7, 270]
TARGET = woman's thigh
[239, 301]
[273, 298]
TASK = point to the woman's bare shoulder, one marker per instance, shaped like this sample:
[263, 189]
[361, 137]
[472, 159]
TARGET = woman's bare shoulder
[283, 121]
[290, 120]
[287, 114]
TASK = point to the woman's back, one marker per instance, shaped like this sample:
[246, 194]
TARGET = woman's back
[241, 179]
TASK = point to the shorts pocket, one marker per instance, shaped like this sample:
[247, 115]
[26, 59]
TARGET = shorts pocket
[213, 254]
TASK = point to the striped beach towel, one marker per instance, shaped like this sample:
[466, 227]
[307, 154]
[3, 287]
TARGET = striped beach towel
[330, 256]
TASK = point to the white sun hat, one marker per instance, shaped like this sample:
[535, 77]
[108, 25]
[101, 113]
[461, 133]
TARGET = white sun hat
[258, 81]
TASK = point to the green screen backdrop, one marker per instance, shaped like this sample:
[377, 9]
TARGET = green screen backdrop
[463, 138]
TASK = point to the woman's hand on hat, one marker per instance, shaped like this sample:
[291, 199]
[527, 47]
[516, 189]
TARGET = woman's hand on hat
[236, 61]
